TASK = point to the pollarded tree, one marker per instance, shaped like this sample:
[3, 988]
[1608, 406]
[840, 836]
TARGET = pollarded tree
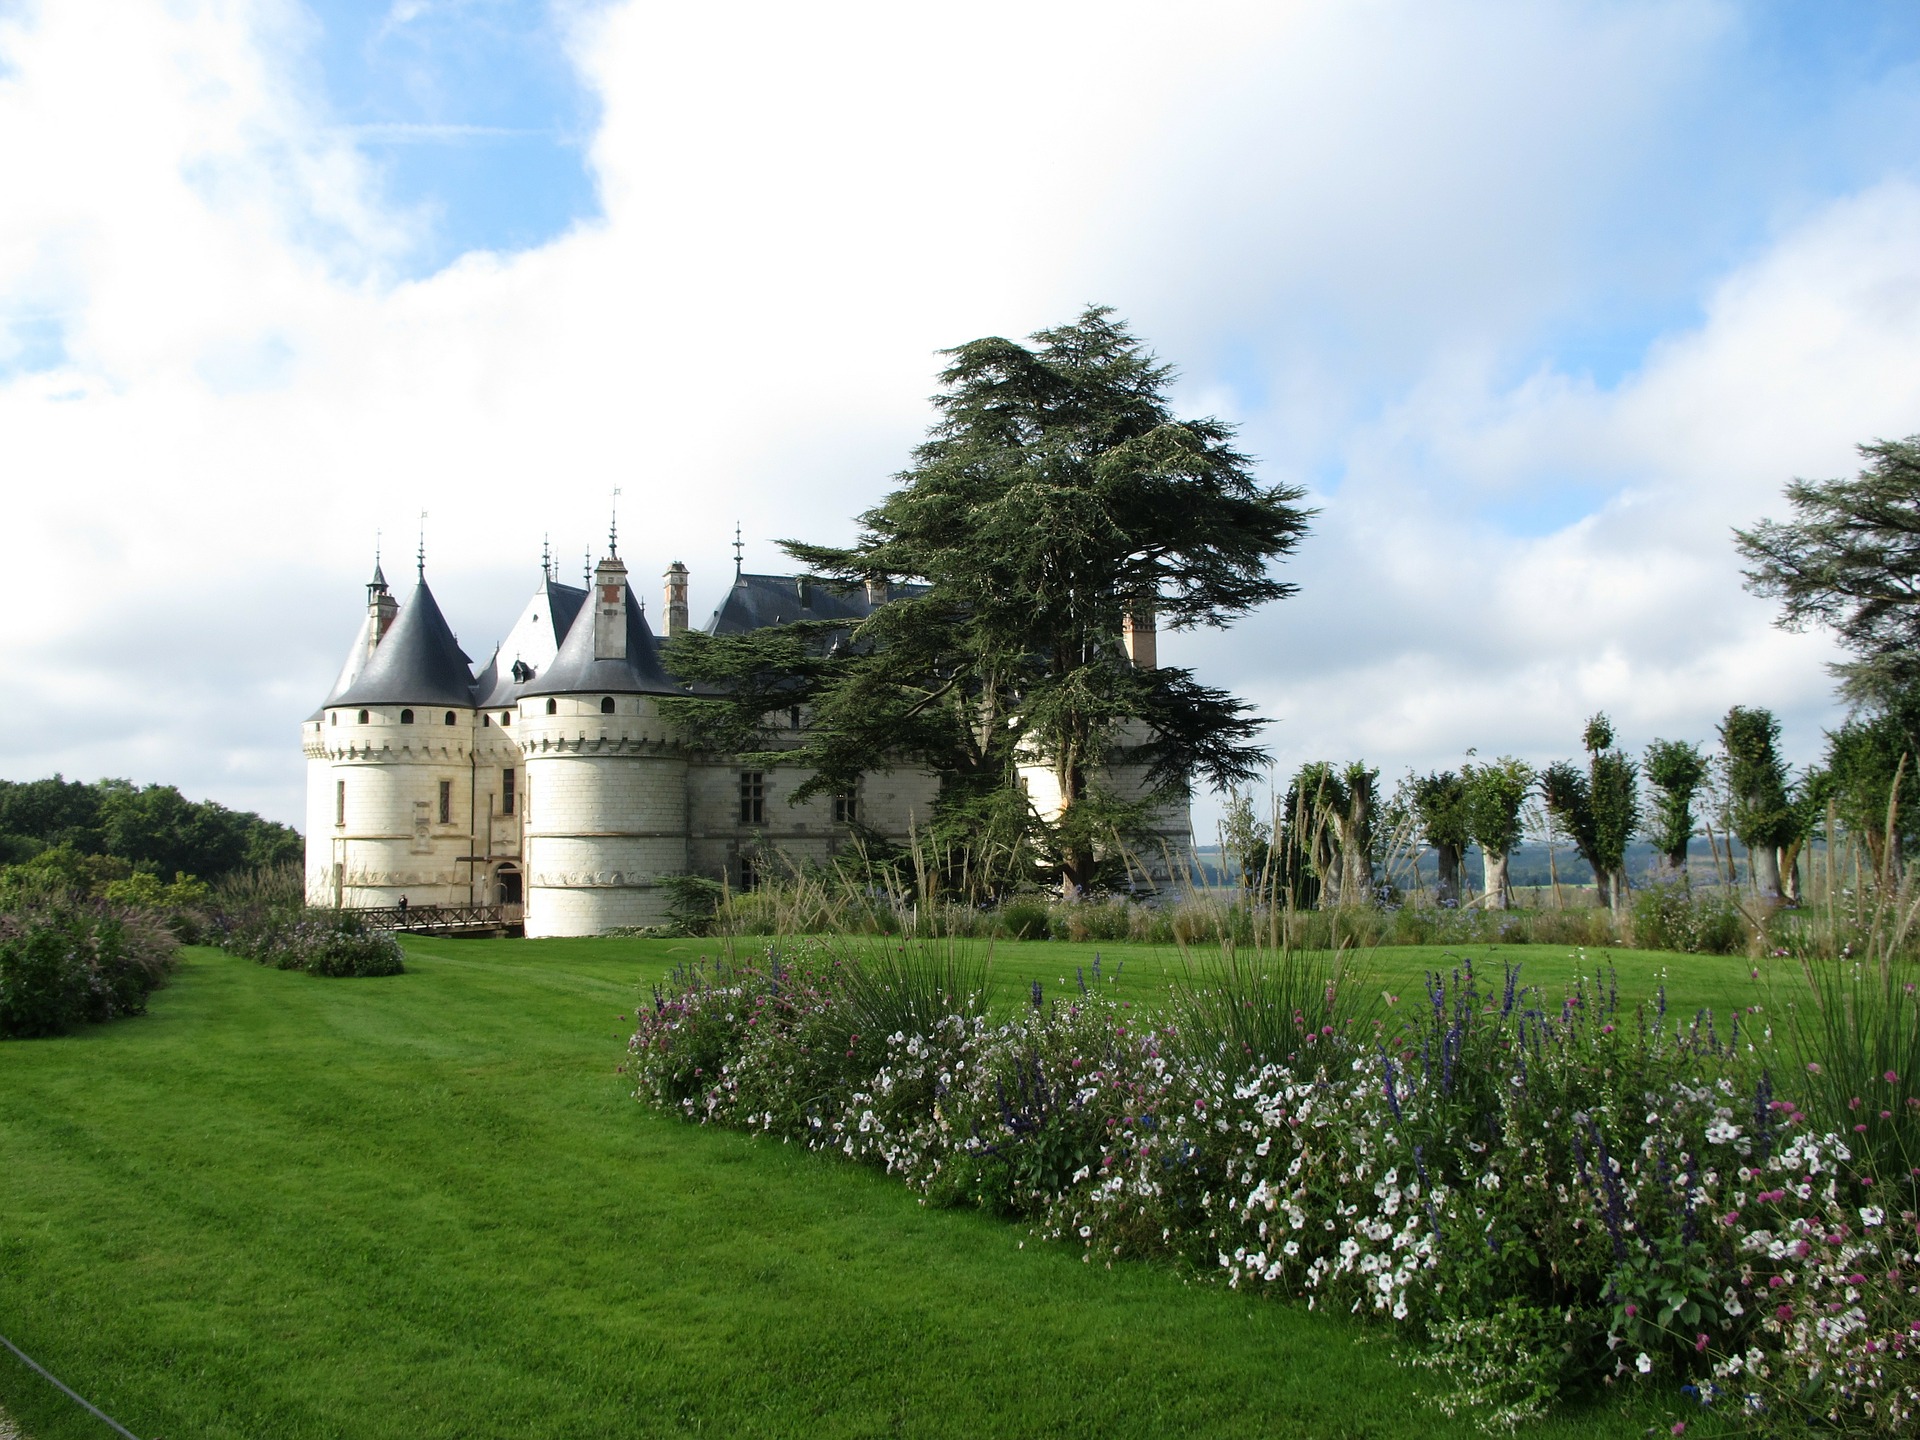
[1866, 757]
[1675, 771]
[1494, 795]
[1762, 809]
[1438, 802]
[1599, 809]
[1056, 499]
[1356, 834]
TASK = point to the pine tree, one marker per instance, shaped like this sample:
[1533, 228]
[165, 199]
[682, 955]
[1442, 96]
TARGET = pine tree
[1055, 502]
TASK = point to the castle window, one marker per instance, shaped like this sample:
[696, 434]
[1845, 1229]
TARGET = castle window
[749, 873]
[339, 802]
[449, 717]
[406, 717]
[363, 717]
[793, 717]
[846, 808]
[506, 717]
[333, 717]
[486, 720]
[606, 705]
[506, 791]
[446, 802]
[553, 707]
[753, 797]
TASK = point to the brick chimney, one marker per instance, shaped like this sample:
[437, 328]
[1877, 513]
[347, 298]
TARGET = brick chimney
[610, 610]
[676, 578]
[1138, 634]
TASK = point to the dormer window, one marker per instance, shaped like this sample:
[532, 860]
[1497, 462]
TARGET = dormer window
[406, 717]
[606, 705]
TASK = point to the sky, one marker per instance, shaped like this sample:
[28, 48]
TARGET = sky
[1537, 300]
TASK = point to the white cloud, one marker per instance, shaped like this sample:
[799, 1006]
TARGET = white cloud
[1345, 221]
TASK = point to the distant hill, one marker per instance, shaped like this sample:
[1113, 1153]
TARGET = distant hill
[154, 828]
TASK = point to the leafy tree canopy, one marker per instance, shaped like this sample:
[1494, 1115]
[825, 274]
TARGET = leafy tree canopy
[1055, 496]
[153, 828]
[1849, 559]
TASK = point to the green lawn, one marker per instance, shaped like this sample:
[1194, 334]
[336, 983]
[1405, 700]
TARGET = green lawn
[426, 1206]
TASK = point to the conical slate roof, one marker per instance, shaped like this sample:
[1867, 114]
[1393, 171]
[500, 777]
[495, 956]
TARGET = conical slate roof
[349, 672]
[531, 645]
[418, 662]
[574, 671]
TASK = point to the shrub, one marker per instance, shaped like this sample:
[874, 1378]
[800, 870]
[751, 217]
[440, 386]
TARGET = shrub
[334, 943]
[1028, 918]
[65, 963]
[1670, 916]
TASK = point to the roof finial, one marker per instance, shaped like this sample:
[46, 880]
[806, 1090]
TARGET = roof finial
[738, 549]
[378, 584]
[586, 569]
[420, 556]
[546, 557]
[613, 526]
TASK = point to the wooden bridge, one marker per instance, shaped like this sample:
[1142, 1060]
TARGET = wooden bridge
[446, 919]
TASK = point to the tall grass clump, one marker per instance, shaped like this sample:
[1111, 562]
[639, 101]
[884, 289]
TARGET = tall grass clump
[1266, 1006]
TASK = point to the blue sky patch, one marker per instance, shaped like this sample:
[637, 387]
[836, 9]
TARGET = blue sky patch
[469, 110]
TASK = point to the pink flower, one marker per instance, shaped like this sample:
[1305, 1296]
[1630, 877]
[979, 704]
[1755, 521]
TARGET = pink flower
[1892, 1079]
[1775, 1281]
[1859, 1129]
[1679, 1427]
[1784, 1312]
[1700, 1343]
[1632, 1309]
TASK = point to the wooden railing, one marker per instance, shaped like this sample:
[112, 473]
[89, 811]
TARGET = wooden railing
[444, 919]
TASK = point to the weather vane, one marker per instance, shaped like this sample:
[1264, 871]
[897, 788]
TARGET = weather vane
[739, 549]
[613, 526]
[420, 556]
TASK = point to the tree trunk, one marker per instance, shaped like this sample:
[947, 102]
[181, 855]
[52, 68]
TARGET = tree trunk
[1499, 896]
[1763, 862]
[1447, 890]
[1356, 862]
[1790, 872]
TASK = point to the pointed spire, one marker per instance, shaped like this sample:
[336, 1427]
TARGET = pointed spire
[546, 557]
[739, 550]
[613, 526]
[420, 555]
[586, 569]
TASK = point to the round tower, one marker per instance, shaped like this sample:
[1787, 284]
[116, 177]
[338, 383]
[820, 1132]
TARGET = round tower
[392, 766]
[606, 804]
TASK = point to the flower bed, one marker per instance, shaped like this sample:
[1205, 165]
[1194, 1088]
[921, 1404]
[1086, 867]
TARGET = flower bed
[1546, 1199]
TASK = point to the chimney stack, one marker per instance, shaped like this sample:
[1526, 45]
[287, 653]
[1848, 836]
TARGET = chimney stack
[1140, 639]
[610, 610]
[676, 599]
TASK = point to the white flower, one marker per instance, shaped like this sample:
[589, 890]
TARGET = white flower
[1872, 1215]
[1722, 1132]
[1644, 1364]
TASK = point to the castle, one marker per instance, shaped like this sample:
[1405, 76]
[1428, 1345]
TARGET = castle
[551, 781]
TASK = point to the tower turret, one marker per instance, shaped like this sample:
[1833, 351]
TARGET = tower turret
[381, 608]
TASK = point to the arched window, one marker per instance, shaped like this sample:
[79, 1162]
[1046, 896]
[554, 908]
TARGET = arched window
[449, 717]
[363, 717]
[333, 717]
[553, 707]
[486, 720]
[606, 705]
[406, 717]
[506, 717]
